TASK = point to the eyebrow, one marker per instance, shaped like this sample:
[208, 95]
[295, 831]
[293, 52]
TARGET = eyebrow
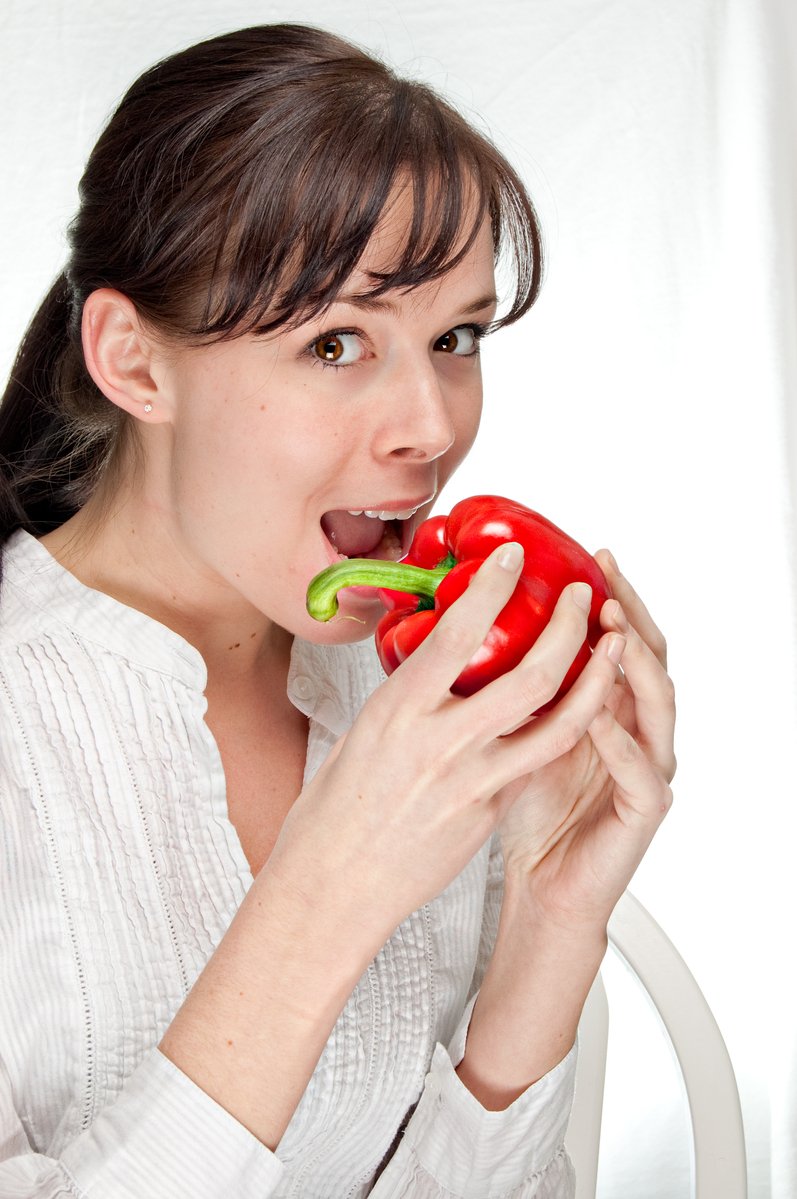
[379, 304]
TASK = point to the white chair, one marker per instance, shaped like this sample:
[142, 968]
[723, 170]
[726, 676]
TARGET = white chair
[719, 1169]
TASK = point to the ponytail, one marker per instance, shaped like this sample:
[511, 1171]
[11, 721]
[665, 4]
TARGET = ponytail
[56, 429]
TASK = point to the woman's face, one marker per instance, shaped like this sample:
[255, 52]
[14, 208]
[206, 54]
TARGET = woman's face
[277, 440]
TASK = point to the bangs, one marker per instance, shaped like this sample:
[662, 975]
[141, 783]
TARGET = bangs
[303, 212]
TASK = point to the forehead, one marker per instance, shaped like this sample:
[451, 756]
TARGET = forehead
[399, 236]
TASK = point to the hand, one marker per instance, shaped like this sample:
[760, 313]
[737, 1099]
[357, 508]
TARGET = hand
[579, 826]
[418, 784]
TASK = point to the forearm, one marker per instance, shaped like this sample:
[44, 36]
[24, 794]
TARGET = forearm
[258, 1017]
[529, 1005]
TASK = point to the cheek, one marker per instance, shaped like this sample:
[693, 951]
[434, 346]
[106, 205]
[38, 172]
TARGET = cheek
[466, 419]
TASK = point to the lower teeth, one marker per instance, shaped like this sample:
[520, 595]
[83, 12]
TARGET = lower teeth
[390, 545]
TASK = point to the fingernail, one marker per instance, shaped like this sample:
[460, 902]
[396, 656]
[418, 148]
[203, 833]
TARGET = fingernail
[510, 556]
[614, 650]
[582, 595]
[613, 562]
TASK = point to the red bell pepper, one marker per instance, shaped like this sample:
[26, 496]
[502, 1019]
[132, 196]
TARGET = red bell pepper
[444, 555]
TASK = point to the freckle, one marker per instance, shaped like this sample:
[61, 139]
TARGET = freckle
[253, 635]
[241, 993]
[262, 407]
[237, 645]
[229, 1042]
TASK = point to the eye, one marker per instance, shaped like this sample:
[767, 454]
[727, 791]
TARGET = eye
[339, 348]
[462, 341]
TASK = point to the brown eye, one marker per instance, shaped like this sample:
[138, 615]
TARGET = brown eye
[329, 348]
[448, 342]
[461, 341]
[337, 349]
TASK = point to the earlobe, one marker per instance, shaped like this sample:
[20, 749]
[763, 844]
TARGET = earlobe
[119, 355]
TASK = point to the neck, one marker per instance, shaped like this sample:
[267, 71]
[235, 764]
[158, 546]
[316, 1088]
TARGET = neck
[129, 551]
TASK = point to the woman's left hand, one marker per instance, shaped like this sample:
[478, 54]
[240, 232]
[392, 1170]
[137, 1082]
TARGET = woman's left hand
[579, 827]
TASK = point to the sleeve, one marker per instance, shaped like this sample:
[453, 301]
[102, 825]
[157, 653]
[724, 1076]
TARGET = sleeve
[162, 1138]
[452, 1147]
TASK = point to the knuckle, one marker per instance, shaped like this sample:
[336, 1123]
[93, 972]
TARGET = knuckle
[668, 690]
[565, 732]
[658, 643]
[452, 638]
[666, 800]
[537, 683]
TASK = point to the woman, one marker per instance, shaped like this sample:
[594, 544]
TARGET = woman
[272, 924]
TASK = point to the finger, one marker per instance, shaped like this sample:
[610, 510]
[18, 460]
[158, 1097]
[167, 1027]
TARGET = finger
[641, 793]
[442, 656]
[511, 699]
[547, 737]
[652, 689]
[636, 611]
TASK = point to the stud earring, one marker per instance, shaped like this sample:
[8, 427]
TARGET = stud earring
[147, 408]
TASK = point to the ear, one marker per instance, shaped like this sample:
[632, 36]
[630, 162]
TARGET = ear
[121, 356]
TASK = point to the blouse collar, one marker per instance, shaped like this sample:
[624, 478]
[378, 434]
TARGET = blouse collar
[325, 682]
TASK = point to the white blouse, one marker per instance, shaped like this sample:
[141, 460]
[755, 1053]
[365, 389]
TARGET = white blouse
[120, 872]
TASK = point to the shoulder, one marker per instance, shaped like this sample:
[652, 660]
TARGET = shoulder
[42, 604]
[31, 607]
[19, 614]
[84, 680]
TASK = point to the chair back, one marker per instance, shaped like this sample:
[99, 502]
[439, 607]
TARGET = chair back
[719, 1164]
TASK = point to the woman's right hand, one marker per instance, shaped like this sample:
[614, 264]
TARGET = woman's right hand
[409, 794]
[403, 802]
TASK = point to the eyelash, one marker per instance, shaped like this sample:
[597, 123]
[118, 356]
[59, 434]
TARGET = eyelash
[478, 331]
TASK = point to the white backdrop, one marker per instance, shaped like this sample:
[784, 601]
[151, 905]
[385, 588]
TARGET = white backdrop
[647, 403]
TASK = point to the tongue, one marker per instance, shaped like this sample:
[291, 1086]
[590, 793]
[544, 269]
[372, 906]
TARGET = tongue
[354, 536]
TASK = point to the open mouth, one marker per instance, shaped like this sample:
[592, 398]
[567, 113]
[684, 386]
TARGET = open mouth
[370, 533]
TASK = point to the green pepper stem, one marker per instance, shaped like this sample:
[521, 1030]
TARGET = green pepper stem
[322, 594]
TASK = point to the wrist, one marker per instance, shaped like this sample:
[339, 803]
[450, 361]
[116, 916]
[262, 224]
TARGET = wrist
[315, 935]
[325, 894]
[563, 924]
[528, 1008]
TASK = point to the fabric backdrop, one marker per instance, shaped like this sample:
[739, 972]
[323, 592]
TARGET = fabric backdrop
[647, 403]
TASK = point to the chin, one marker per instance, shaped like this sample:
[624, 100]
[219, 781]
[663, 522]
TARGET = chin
[358, 614]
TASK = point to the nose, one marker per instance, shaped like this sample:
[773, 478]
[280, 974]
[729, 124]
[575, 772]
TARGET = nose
[418, 425]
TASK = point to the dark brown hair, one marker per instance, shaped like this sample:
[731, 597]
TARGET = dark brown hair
[233, 190]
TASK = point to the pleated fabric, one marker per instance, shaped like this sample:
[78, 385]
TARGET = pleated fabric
[120, 873]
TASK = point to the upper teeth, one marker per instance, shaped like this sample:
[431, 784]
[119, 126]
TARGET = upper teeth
[381, 514]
